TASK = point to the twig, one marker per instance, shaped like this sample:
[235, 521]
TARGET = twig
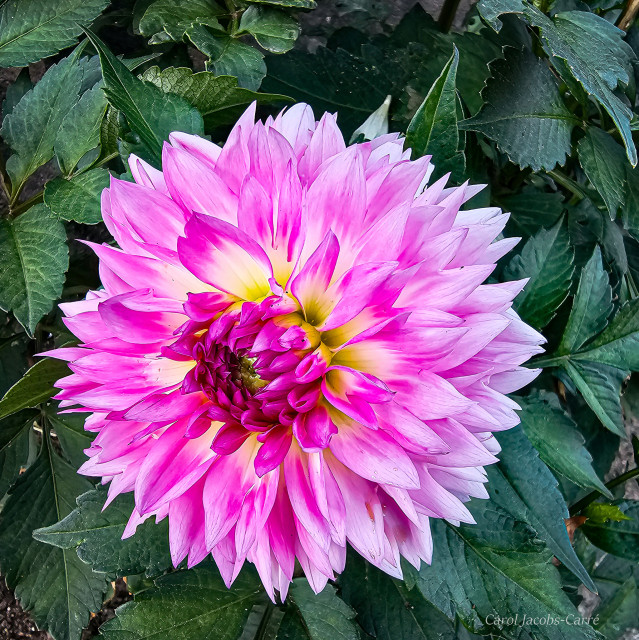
[629, 14]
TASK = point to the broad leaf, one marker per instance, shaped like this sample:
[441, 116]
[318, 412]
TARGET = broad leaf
[31, 128]
[15, 92]
[604, 162]
[33, 29]
[547, 259]
[591, 306]
[531, 209]
[33, 260]
[35, 387]
[433, 129]
[600, 385]
[524, 112]
[150, 113]
[15, 437]
[79, 198]
[560, 444]
[97, 536]
[273, 29]
[169, 19]
[386, 608]
[54, 584]
[619, 538]
[495, 566]
[531, 495]
[574, 41]
[229, 56]
[69, 428]
[317, 616]
[80, 130]
[218, 98]
[188, 605]
[618, 344]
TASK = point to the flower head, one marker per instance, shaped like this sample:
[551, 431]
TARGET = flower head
[294, 349]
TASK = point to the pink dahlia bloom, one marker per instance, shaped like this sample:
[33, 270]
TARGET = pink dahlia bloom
[294, 349]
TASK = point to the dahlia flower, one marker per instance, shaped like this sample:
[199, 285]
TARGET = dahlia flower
[294, 349]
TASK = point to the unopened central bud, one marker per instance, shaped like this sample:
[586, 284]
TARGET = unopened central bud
[250, 378]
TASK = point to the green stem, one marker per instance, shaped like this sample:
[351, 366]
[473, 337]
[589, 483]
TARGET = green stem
[23, 206]
[447, 15]
[568, 184]
[543, 363]
[611, 484]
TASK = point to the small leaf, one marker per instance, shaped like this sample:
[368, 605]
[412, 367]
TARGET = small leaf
[150, 113]
[273, 29]
[174, 17]
[547, 259]
[600, 513]
[560, 444]
[605, 163]
[375, 125]
[591, 306]
[97, 536]
[600, 385]
[15, 435]
[31, 128]
[35, 387]
[33, 29]
[218, 98]
[433, 129]
[229, 57]
[524, 112]
[33, 260]
[79, 198]
[323, 615]
[188, 605]
[619, 538]
[54, 585]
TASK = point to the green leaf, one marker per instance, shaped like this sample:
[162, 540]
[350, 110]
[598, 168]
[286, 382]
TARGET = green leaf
[32, 29]
[547, 259]
[188, 605]
[556, 437]
[375, 125]
[33, 260]
[218, 98]
[35, 387]
[322, 615]
[15, 92]
[600, 513]
[69, 428]
[229, 57]
[600, 385]
[604, 162]
[97, 536]
[524, 113]
[31, 128]
[591, 306]
[496, 566]
[533, 497]
[619, 538]
[618, 344]
[273, 29]
[80, 129]
[15, 437]
[150, 113]
[53, 584]
[582, 46]
[433, 129]
[531, 209]
[79, 198]
[386, 608]
[174, 17]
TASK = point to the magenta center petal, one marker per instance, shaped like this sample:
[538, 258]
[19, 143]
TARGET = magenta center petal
[294, 349]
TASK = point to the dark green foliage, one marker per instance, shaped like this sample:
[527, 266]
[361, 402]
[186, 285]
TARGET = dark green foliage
[536, 100]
